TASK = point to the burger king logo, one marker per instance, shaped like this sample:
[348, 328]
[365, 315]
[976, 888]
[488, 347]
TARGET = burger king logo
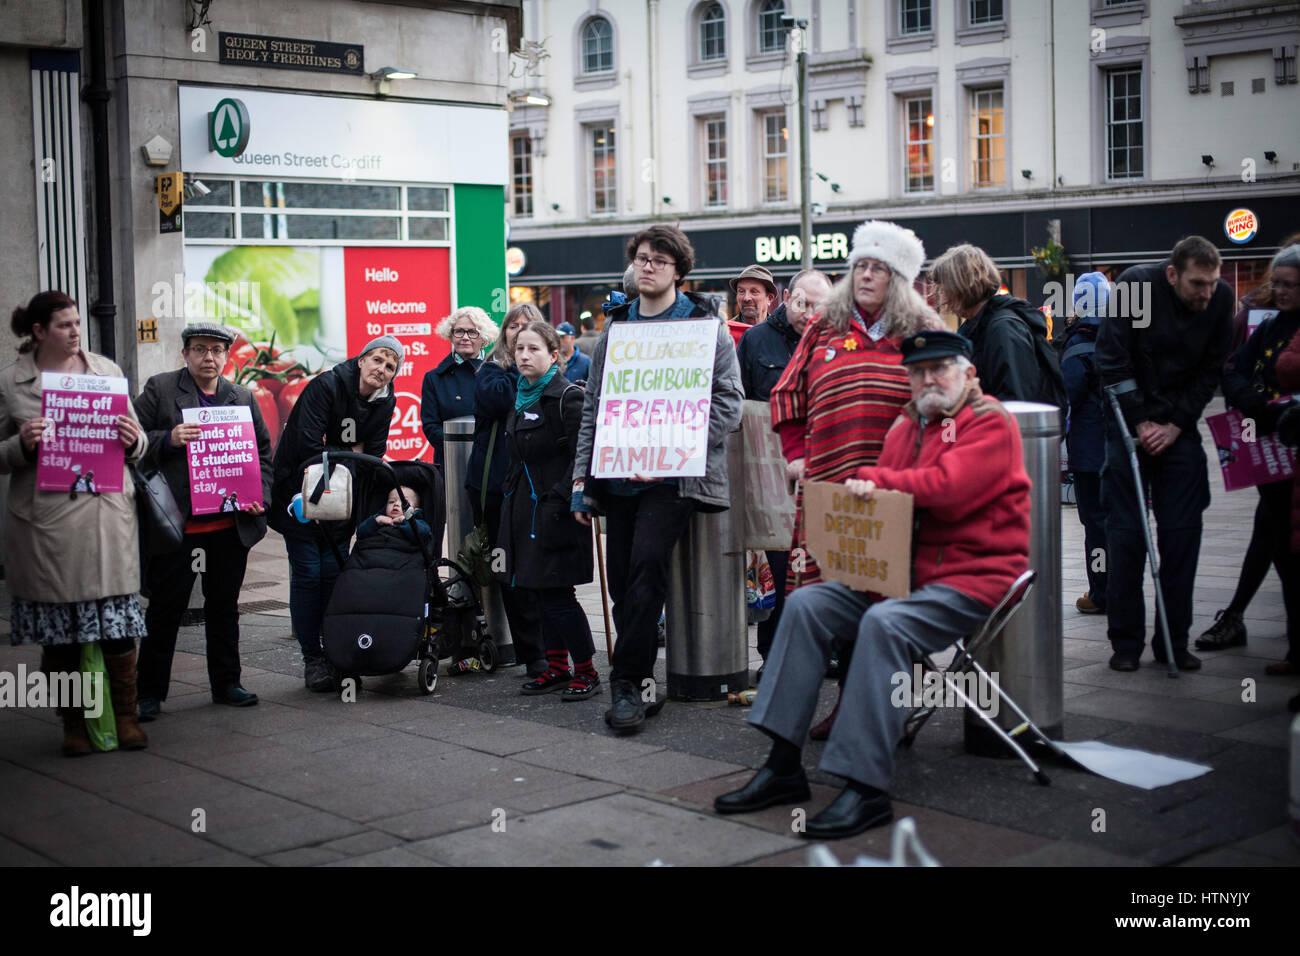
[1241, 225]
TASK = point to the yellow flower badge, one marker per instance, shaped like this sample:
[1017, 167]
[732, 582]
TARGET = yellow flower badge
[850, 345]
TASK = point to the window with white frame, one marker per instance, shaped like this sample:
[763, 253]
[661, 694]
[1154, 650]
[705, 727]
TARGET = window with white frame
[597, 46]
[918, 143]
[288, 212]
[771, 32]
[1125, 157]
[713, 33]
[713, 150]
[988, 139]
[983, 12]
[521, 173]
[914, 16]
[775, 156]
[602, 196]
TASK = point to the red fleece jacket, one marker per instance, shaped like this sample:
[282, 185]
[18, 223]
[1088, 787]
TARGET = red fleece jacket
[971, 496]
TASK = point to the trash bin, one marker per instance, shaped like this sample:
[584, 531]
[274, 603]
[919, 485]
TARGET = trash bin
[1028, 658]
[457, 444]
[708, 637]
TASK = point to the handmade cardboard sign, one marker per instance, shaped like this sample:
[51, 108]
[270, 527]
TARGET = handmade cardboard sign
[80, 450]
[769, 506]
[866, 545]
[653, 418]
[225, 471]
[1248, 459]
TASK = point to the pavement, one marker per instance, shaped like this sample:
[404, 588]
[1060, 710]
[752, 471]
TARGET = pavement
[477, 774]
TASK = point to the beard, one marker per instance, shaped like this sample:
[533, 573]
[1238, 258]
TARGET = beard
[934, 400]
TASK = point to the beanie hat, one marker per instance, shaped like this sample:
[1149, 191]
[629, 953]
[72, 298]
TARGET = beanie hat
[891, 244]
[386, 342]
[1091, 293]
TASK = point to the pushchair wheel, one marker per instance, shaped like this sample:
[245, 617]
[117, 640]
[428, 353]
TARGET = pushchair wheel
[428, 675]
[487, 654]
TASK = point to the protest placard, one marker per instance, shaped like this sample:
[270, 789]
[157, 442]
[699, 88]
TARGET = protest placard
[769, 506]
[653, 418]
[225, 472]
[80, 450]
[1247, 463]
[864, 544]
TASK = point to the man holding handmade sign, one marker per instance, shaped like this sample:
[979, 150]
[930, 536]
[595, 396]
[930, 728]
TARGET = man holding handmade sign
[954, 456]
[662, 396]
[207, 437]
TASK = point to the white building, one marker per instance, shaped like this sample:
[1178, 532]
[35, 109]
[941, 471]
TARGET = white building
[1124, 124]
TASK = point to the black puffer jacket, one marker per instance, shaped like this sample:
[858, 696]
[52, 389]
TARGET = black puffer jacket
[545, 546]
[1012, 357]
[764, 352]
[330, 415]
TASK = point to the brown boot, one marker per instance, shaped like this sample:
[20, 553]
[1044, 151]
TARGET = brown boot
[76, 742]
[823, 730]
[121, 682]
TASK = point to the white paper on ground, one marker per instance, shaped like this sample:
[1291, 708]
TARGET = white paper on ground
[1138, 768]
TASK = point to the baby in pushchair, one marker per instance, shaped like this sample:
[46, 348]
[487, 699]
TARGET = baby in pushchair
[393, 515]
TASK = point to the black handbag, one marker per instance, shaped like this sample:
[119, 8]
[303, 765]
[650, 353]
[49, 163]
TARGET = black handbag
[162, 526]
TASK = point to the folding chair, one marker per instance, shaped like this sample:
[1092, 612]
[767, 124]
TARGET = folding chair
[964, 661]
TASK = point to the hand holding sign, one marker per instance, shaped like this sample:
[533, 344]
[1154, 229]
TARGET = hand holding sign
[860, 535]
[128, 431]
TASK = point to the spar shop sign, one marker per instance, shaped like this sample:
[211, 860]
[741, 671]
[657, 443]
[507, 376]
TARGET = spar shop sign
[1241, 225]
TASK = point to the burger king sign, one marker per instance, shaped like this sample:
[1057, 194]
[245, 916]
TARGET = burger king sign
[1241, 225]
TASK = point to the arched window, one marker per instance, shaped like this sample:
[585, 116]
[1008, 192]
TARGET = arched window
[713, 33]
[597, 46]
[771, 32]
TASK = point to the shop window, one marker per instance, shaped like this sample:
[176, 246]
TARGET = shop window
[280, 226]
[775, 133]
[918, 144]
[597, 46]
[988, 139]
[713, 147]
[521, 174]
[427, 198]
[293, 195]
[1125, 155]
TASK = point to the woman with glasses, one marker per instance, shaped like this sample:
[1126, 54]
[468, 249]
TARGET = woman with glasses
[845, 384]
[224, 539]
[448, 390]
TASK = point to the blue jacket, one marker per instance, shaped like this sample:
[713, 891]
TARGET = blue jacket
[494, 400]
[447, 392]
[579, 366]
[1085, 439]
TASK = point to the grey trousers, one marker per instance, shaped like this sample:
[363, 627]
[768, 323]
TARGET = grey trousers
[890, 636]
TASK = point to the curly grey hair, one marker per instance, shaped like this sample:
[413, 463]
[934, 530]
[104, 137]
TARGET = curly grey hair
[905, 311]
[487, 329]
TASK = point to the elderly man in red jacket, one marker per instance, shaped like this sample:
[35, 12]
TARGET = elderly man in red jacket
[957, 452]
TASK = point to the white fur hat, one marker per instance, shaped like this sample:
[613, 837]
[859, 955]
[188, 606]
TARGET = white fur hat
[893, 245]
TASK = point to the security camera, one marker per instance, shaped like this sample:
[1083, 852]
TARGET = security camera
[199, 188]
[787, 21]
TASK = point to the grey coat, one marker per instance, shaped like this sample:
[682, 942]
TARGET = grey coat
[711, 491]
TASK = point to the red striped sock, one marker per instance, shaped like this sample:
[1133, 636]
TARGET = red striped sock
[558, 661]
[586, 667]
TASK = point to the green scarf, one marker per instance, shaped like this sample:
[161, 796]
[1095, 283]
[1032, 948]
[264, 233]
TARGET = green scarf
[529, 395]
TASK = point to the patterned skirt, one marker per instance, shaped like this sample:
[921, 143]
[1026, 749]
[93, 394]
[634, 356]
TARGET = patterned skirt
[78, 622]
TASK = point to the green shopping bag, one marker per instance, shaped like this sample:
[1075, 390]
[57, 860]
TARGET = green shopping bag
[102, 730]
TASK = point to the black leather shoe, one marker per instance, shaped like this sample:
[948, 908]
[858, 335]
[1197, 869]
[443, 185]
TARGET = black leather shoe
[234, 696]
[1185, 659]
[765, 790]
[848, 815]
[628, 711]
[1124, 661]
[148, 709]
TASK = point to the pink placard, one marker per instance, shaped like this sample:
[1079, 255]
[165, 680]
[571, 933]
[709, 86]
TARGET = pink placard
[225, 472]
[80, 450]
[1245, 463]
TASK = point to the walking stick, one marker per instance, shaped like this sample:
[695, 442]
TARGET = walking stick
[1146, 531]
[604, 596]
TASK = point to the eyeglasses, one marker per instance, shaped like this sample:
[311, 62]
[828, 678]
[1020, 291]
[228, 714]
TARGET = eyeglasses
[464, 333]
[653, 261]
[875, 268]
[1283, 285]
[216, 351]
[938, 369]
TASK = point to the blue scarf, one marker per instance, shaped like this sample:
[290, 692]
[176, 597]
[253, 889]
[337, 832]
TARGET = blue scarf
[530, 395]
[680, 309]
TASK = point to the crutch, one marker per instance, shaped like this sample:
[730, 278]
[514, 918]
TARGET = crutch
[1152, 557]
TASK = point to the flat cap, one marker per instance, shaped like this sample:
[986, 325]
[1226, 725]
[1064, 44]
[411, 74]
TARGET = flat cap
[935, 344]
[208, 330]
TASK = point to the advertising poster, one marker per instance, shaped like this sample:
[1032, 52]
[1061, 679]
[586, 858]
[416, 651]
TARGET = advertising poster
[301, 310]
[1247, 463]
[80, 450]
[653, 418]
[225, 471]
[769, 506]
[866, 545]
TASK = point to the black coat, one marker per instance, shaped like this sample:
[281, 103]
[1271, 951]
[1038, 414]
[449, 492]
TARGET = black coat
[1250, 376]
[494, 399]
[764, 352]
[159, 409]
[1006, 335]
[317, 424]
[447, 392]
[545, 546]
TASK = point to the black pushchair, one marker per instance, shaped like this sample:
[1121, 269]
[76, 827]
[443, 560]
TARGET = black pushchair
[390, 606]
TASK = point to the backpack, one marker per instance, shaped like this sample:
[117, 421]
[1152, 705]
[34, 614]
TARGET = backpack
[1051, 384]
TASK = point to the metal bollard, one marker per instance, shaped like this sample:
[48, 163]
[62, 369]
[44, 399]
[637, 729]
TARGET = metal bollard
[457, 444]
[708, 646]
[1028, 657]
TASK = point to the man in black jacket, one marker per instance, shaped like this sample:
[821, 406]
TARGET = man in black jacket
[347, 408]
[1161, 348]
